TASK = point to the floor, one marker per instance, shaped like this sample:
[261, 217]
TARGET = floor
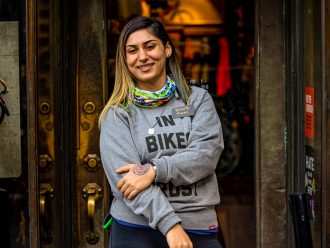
[237, 212]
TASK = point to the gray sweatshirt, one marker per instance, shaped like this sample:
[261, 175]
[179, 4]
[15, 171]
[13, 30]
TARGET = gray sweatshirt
[185, 147]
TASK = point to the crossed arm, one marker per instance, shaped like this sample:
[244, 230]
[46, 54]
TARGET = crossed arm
[150, 202]
[187, 166]
[138, 178]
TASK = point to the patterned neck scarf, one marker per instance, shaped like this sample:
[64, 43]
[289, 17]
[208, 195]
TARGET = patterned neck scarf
[149, 99]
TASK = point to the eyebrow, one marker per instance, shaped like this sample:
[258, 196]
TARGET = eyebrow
[144, 43]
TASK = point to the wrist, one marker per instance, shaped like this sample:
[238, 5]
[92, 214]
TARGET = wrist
[174, 229]
[154, 167]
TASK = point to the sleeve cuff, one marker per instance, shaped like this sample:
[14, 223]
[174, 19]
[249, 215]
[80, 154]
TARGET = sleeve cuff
[161, 172]
[167, 223]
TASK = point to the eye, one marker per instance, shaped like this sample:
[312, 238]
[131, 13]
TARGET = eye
[131, 51]
[150, 47]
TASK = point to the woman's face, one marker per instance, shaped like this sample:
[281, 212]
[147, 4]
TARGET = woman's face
[146, 59]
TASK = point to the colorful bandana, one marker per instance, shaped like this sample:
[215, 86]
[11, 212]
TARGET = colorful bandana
[149, 99]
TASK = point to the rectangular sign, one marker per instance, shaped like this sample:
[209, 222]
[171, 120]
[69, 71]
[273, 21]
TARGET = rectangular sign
[310, 180]
[309, 113]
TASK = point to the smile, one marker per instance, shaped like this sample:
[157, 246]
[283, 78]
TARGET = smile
[145, 67]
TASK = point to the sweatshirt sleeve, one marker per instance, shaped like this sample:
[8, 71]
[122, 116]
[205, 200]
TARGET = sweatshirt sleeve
[117, 149]
[205, 144]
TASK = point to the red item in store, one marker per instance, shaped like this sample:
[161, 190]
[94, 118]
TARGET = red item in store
[223, 70]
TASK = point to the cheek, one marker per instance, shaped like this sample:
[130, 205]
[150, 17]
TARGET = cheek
[159, 55]
[130, 60]
[162, 60]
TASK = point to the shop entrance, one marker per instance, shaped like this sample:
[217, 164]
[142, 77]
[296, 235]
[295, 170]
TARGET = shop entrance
[215, 44]
[74, 54]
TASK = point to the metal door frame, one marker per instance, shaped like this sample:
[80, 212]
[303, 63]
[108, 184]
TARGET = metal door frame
[64, 153]
[32, 124]
[325, 30]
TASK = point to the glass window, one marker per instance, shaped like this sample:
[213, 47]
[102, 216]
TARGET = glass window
[313, 118]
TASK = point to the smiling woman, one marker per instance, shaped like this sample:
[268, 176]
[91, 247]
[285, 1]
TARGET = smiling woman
[146, 58]
[162, 176]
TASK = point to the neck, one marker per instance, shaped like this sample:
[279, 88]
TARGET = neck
[151, 99]
[151, 86]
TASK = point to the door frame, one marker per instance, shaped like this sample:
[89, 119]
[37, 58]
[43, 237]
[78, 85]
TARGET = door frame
[32, 124]
[325, 30]
[270, 125]
[266, 159]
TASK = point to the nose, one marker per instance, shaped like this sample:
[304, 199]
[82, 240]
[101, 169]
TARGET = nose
[143, 55]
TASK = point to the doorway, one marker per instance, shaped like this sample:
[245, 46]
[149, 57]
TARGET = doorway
[74, 53]
[216, 51]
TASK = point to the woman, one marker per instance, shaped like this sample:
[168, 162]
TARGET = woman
[160, 143]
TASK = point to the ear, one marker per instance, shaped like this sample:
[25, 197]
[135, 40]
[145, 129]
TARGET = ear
[168, 50]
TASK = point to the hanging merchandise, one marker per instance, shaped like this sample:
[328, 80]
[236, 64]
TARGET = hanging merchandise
[223, 72]
[3, 108]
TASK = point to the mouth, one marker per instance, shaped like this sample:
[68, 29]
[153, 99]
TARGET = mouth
[145, 68]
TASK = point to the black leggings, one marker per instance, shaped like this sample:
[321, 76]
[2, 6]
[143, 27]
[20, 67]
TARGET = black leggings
[122, 236]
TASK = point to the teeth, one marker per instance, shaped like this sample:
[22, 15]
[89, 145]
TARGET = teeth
[144, 68]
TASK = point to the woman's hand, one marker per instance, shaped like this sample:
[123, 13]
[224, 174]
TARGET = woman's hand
[177, 238]
[138, 178]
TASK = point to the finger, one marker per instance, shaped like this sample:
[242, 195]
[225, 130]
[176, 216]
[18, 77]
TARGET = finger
[120, 183]
[128, 192]
[124, 168]
[124, 188]
[132, 194]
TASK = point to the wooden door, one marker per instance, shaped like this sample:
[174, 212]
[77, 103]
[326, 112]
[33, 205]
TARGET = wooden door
[73, 194]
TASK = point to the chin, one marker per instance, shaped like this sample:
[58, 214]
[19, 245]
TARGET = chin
[147, 80]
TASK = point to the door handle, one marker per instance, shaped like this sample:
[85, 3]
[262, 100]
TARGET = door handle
[92, 193]
[46, 193]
